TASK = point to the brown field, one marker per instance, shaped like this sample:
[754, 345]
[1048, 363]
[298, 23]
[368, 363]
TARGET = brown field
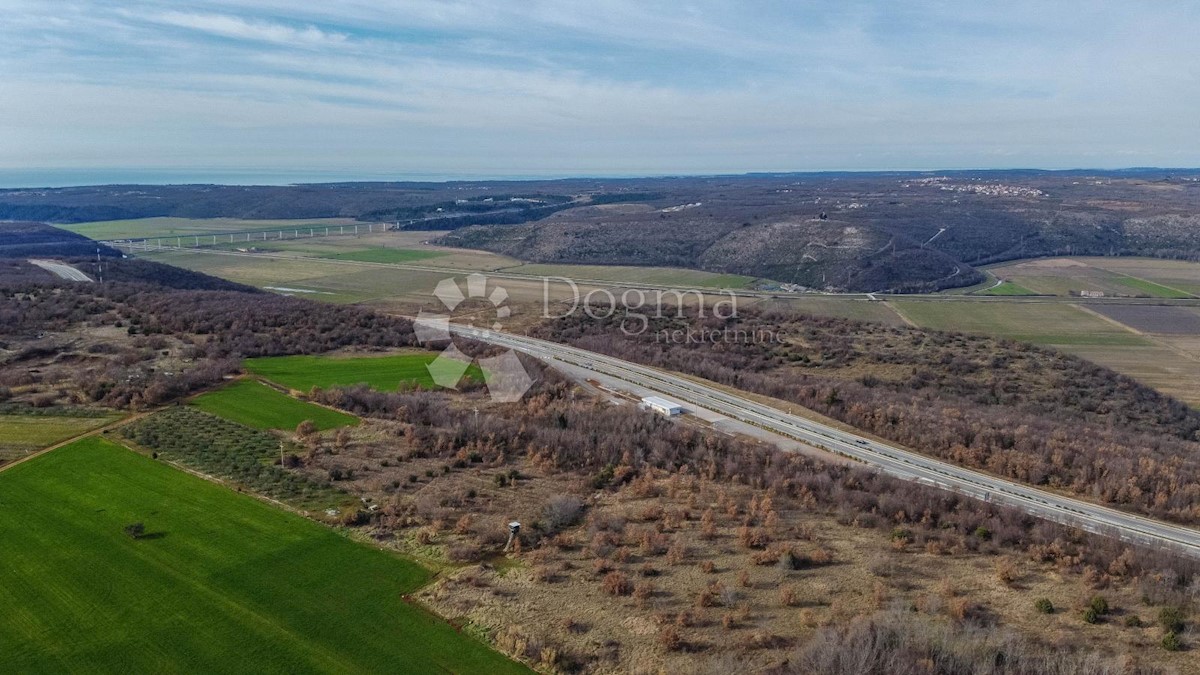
[1094, 331]
[1059, 324]
[1162, 366]
[1163, 320]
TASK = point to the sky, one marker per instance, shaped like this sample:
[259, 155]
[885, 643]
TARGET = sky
[381, 88]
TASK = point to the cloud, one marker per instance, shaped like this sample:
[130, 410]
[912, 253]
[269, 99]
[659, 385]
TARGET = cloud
[240, 29]
[606, 86]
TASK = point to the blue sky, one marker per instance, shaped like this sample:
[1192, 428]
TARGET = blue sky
[465, 87]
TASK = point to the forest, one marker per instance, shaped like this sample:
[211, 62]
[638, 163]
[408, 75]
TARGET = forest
[26, 239]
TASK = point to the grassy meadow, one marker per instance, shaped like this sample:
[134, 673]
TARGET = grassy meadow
[384, 373]
[168, 226]
[1129, 277]
[659, 276]
[1007, 288]
[220, 582]
[22, 434]
[254, 404]
[386, 255]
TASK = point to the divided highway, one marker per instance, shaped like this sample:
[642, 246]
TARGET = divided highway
[890, 459]
[61, 270]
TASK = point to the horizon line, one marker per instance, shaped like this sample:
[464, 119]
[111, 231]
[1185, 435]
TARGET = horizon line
[331, 177]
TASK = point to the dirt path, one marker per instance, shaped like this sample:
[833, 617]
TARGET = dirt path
[900, 314]
[98, 430]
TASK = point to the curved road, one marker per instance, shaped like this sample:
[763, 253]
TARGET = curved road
[890, 459]
[61, 270]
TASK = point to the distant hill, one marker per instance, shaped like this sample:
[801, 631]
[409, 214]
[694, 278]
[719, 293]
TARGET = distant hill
[19, 241]
[869, 232]
[887, 231]
[367, 201]
[24, 240]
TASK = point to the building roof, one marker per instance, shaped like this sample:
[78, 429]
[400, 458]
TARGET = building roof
[661, 402]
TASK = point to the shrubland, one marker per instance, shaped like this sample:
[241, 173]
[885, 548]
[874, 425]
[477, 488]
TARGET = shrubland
[1016, 410]
[650, 543]
[134, 344]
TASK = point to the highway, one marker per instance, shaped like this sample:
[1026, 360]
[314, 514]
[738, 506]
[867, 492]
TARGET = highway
[61, 270]
[889, 459]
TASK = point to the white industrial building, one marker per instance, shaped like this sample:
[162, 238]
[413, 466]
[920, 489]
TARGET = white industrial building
[662, 406]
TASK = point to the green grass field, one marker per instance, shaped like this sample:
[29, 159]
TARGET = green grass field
[330, 280]
[1007, 288]
[224, 583]
[1179, 275]
[256, 405]
[1152, 289]
[661, 276]
[38, 431]
[384, 373]
[336, 247]
[386, 255]
[859, 309]
[183, 227]
[1111, 276]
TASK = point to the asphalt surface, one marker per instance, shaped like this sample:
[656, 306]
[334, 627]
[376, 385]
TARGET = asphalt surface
[887, 458]
[61, 270]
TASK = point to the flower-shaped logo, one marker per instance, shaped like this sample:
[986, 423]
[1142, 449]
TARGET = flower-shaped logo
[507, 380]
